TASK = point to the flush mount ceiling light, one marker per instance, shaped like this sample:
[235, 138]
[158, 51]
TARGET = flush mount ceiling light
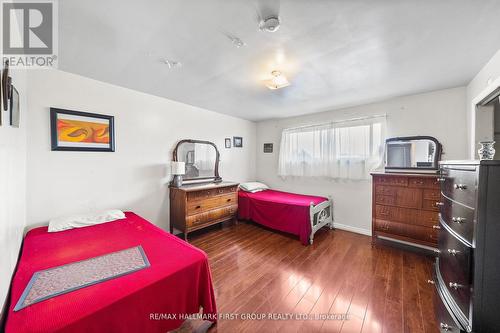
[270, 24]
[171, 63]
[277, 81]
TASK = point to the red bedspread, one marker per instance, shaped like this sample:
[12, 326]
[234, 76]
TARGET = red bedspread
[177, 282]
[283, 211]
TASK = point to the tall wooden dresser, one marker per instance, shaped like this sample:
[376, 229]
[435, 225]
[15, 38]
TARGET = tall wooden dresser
[197, 206]
[467, 270]
[405, 208]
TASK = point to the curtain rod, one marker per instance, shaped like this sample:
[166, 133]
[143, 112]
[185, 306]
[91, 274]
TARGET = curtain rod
[338, 121]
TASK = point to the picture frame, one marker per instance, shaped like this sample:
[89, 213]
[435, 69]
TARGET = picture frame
[227, 142]
[237, 141]
[81, 131]
[268, 148]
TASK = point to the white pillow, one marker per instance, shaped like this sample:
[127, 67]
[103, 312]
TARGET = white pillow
[84, 220]
[253, 187]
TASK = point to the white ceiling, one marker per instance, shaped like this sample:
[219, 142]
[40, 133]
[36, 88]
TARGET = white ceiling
[336, 53]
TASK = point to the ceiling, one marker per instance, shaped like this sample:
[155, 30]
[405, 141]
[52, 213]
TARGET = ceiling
[336, 53]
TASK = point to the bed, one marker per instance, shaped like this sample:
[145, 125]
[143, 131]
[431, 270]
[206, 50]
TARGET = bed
[155, 299]
[298, 214]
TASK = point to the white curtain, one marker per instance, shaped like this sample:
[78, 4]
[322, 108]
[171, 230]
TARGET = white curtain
[340, 150]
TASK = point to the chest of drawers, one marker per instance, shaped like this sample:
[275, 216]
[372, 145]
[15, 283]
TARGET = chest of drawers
[194, 207]
[405, 208]
[467, 270]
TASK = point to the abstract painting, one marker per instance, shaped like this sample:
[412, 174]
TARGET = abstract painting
[81, 131]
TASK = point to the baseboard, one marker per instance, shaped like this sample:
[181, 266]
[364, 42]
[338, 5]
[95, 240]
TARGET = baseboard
[350, 228]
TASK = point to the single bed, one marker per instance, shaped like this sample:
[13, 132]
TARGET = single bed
[177, 282]
[298, 214]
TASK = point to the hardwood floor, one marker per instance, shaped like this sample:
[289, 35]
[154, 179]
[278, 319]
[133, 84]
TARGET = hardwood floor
[258, 271]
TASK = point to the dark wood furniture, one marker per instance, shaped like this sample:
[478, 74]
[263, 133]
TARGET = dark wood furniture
[405, 207]
[467, 270]
[197, 206]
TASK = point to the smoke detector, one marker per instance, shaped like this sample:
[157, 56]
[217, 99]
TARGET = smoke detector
[270, 24]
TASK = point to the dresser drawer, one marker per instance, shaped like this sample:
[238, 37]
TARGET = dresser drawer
[198, 206]
[212, 215]
[460, 185]
[455, 264]
[424, 182]
[391, 180]
[417, 232]
[204, 194]
[432, 194]
[406, 215]
[385, 190]
[459, 218]
[431, 204]
[399, 196]
[446, 320]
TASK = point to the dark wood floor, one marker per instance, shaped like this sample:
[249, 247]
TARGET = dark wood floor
[255, 270]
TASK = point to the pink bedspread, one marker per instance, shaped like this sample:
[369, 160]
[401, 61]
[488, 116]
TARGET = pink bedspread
[177, 282]
[283, 211]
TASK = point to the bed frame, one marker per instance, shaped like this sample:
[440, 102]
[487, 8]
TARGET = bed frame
[320, 216]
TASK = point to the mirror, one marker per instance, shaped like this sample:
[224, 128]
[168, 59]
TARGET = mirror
[201, 159]
[415, 152]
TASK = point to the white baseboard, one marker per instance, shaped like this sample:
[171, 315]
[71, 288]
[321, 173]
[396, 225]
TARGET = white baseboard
[350, 228]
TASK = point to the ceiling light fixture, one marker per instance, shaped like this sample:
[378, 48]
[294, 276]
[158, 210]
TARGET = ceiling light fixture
[270, 24]
[277, 81]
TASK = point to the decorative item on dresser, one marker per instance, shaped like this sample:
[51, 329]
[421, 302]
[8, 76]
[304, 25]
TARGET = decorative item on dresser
[405, 208]
[467, 270]
[197, 206]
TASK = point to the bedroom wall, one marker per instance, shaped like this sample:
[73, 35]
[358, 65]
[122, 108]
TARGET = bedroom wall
[135, 177]
[12, 187]
[440, 114]
[484, 82]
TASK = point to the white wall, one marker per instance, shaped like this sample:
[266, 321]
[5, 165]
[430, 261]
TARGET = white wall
[135, 177]
[12, 187]
[481, 85]
[440, 114]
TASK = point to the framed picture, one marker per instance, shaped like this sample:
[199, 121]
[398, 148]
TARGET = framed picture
[81, 131]
[228, 142]
[238, 141]
[268, 147]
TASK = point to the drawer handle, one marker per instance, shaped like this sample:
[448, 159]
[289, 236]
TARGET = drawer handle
[197, 207]
[431, 282]
[439, 204]
[460, 187]
[228, 200]
[419, 182]
[454, 285]
[453, 252]
[441, 179]
[458, 220]
[436, 227]
[445, 327]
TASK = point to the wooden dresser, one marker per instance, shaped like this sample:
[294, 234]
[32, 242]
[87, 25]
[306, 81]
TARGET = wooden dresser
[197, 206]
[405, 207]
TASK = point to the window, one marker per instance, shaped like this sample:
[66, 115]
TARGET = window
[341, 150]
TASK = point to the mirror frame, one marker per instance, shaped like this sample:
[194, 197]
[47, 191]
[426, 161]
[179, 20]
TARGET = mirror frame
[437, 155]
[216, 178]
